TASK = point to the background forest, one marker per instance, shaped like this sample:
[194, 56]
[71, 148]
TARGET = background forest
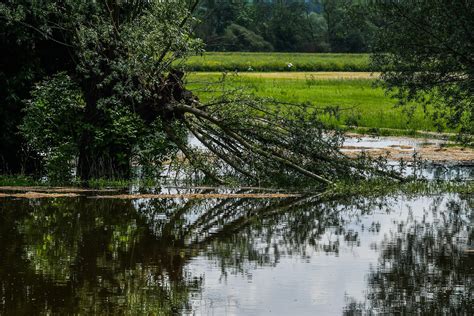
[286, 26]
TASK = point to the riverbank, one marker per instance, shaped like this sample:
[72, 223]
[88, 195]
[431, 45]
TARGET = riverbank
[436, 153]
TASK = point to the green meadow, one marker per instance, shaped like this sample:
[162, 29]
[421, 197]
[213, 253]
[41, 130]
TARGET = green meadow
[243, 61]
[361, 103]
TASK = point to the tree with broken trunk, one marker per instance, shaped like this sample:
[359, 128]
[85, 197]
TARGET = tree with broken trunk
[124, 102]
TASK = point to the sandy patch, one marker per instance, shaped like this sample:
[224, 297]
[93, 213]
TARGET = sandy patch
[37, 195]
[198, 196]
[429, 152]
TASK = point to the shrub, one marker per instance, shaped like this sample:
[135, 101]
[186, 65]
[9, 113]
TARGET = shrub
[51, 125]
[238, 38]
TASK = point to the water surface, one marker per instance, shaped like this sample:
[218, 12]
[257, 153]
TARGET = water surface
[297, 256]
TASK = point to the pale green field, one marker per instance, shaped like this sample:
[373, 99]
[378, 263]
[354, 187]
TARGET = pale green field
[277, 62]
[361, 103]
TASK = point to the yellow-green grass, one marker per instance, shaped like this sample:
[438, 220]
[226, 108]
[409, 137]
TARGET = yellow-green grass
[241, 61]
[306, 75]
[362, 104]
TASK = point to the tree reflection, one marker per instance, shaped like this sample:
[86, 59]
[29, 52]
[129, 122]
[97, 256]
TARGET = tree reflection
[84, 255]
[425, 267]
[87, 255]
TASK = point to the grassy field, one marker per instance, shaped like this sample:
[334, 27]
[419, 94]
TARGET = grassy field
[240, 61]
[361, 103]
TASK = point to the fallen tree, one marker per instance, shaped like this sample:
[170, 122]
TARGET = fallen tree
[125, 102]
[257, 140]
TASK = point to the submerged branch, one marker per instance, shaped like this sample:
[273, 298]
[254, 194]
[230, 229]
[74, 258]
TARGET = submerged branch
[253, 148]
[192, 157]
[217, 153]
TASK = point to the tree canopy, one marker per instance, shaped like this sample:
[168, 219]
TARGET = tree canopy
[114, 56]
[426, 53]
[291, 25]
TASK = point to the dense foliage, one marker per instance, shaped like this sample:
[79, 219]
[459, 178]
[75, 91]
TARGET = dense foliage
[116, 99]
[26, 55]
[426, 52]
[115, 57]
[53, 124]
[290, 25]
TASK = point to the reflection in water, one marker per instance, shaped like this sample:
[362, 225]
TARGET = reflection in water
[424, 267]
[82, 255]
[443, 172]
[88, 256]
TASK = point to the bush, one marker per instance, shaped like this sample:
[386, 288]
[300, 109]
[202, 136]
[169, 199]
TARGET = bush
[238, 38]
[52, 125]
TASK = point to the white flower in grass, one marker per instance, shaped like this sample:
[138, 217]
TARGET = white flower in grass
[289, 65]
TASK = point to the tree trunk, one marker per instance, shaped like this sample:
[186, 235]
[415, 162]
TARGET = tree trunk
[111, 162]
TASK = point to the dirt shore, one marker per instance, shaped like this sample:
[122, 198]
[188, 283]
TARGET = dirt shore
[403, 148]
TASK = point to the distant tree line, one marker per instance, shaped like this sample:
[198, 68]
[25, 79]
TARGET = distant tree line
[285, 25]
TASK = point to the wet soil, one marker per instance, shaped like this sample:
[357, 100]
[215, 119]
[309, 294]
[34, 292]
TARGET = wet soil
[38, 195]
[404, 148]
[45, 192]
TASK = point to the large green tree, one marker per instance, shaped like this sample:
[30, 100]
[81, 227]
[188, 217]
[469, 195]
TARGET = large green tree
[26, 55]
[118, 56]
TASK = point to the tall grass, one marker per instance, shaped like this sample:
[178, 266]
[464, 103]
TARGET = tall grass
[360, 103]
[239, 61]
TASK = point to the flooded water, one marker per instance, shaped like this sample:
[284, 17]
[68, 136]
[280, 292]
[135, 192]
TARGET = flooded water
[439, 161]
[247, 256]
[378, 142]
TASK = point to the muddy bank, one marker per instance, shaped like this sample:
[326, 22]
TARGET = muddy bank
[52, 189]
[38, 195]
[43, 192]
[405, 148]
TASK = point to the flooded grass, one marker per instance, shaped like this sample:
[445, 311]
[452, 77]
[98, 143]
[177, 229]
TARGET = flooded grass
[441, 160]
